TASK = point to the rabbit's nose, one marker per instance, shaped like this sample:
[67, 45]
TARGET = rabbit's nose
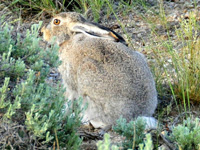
[40, 33]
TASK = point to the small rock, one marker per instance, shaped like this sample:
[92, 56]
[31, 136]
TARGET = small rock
[188, 5]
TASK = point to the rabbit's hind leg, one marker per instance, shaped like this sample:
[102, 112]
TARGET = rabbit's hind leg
[93, 114]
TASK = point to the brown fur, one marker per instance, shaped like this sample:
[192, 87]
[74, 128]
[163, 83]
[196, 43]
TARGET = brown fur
[113, 79]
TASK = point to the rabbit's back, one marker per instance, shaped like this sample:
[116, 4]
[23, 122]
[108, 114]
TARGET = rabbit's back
[114, 80]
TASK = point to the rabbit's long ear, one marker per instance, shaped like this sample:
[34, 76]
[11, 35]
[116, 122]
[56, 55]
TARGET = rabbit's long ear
[95, 30]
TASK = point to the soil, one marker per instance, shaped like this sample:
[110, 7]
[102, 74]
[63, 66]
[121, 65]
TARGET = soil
[138, 33]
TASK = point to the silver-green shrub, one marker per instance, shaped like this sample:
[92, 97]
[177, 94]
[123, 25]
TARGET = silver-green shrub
[31, 109]
[133, 131]
[107, 145]
[148, 144]
[187, 135]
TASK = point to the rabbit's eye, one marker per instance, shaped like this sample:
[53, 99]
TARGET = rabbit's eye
[56, 21]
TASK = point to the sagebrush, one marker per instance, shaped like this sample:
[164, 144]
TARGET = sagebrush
[32, 107]
[187, 135]
[133, 131]
[107, 145]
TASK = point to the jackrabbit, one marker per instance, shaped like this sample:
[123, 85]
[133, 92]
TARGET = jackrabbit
[97, 65]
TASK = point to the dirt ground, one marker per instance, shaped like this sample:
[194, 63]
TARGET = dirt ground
[139, 29]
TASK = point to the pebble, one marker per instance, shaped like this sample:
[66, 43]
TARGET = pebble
[188, 5]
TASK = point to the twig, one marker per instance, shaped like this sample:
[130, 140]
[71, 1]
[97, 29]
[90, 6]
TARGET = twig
[171, 146]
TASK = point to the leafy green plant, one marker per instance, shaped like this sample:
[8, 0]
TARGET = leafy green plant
[41, 6]
[51, 7]
[106, 144]
[179, 65]
[133, 131]
[96, 7]
[162, 15]
[187, 135]
[148, 144]
[33, 109]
